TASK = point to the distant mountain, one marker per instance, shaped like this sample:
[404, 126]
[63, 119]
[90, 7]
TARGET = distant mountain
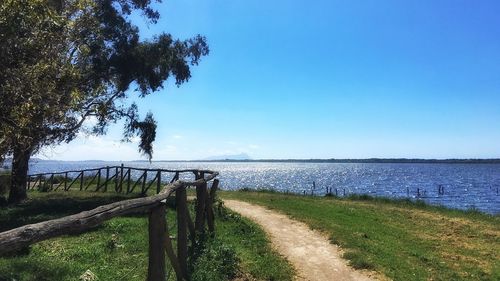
[241, 156]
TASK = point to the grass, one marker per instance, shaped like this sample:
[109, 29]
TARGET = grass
[117, 250]
[401, 239]
[253, 248]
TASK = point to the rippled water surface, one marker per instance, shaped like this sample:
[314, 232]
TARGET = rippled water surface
[462, 186]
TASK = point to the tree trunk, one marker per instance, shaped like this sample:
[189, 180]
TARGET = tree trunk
[19, 175]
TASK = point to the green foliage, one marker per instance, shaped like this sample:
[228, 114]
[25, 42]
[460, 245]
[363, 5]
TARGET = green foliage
[216, 261]
[64, 62]
[68, 61]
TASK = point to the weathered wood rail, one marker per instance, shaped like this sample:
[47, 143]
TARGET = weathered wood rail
[160, 241]
[120, 177]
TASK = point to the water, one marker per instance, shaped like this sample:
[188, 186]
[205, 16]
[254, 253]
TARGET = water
[465, 186]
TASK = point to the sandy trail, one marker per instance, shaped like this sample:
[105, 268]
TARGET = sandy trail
[312, 255]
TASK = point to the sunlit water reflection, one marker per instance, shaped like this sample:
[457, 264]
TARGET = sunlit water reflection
[462, 186]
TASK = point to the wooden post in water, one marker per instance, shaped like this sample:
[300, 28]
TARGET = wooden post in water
[157, 231]
[182, 246]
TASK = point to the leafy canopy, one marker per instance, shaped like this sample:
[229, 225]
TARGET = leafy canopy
[63, 62]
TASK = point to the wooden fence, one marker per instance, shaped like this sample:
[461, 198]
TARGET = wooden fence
[118, 177]
[160, 243]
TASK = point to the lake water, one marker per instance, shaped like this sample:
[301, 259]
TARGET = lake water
[462, 186]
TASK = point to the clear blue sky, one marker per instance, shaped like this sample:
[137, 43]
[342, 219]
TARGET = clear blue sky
[325, 79]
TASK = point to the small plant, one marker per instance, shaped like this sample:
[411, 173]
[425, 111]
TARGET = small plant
[113, 243]
[216, 261]
[219, 208]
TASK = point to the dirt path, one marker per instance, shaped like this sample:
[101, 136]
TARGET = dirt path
[312, 255]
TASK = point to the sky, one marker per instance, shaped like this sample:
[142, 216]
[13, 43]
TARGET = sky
[323, 79]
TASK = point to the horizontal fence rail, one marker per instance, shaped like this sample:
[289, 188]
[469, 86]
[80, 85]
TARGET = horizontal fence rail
[160, 241]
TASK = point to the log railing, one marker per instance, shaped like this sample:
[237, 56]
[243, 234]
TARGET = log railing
[120, 177]
[160, 242]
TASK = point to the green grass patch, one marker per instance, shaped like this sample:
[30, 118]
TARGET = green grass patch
[117, 250]
[401, 239]
[252, 246]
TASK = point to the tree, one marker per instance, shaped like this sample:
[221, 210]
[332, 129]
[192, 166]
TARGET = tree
[65, 61]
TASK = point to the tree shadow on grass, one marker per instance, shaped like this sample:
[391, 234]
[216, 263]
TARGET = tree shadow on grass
[50, 207]
[44, 271]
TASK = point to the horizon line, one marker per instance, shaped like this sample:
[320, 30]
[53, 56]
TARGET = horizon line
[332, 160]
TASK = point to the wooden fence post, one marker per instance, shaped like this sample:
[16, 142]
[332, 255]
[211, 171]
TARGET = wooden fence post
[121, 178]
[182, 246]
[116, 179]
[157, 231]
[199, 223]
[171, 254]
[51, 180]
[128, 180]
[98, 179]
[144, 182]
[158, 182]
[34, 183]
[107, 179]
[66, 181]
[81, 180]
